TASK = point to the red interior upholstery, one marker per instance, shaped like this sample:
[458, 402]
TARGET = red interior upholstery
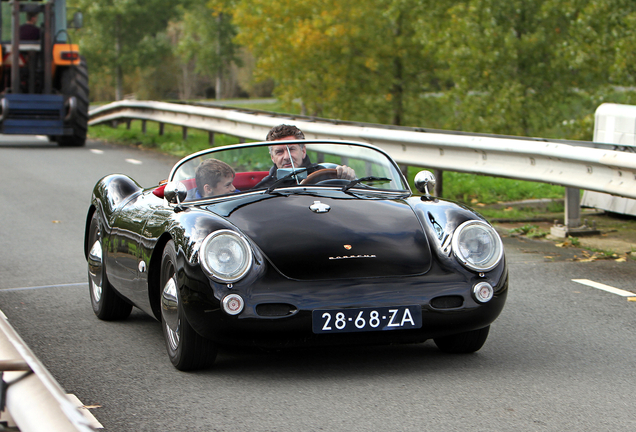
[247, 180]
[242, 181]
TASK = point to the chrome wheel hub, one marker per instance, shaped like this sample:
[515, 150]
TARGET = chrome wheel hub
[95, 270]
[170, 312]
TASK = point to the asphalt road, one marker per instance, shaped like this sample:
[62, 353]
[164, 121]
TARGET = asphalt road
[560, 357]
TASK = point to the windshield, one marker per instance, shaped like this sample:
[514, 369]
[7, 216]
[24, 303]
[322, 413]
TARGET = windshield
[282, 164]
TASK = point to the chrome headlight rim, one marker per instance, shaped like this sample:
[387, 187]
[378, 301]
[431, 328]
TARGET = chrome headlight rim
[498, 244]
[211, 272]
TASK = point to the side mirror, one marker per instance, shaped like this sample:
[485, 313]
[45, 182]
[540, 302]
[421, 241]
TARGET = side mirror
[175, 192]
[78, 21]
[425, 182]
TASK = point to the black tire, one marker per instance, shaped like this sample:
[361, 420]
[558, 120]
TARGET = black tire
[187, 349]
[74, 82]
[463, 343]
[107, 304]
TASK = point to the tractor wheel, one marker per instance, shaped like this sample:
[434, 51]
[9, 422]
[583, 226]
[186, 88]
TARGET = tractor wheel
[75, 83]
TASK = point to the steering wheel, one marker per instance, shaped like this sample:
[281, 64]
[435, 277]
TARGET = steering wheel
[323, 174]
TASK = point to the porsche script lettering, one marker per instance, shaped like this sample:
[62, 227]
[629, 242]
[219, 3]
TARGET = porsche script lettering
[352, 256]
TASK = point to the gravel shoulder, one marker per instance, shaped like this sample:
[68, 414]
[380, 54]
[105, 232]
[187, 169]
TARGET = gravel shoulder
[616, 238]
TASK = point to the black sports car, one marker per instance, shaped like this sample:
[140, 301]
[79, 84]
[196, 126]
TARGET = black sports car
[293, 242]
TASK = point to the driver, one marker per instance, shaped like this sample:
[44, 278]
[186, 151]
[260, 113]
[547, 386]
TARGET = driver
[294, 155]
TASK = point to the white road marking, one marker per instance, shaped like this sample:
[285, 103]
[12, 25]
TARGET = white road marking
[97, 151]
[134, 161]
[604, 287]
[44, 287]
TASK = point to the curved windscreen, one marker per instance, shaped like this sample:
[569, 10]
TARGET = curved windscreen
[284, 164]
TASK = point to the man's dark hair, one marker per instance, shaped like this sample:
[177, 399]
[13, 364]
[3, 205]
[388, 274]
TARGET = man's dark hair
[210, 172]
[283, 131]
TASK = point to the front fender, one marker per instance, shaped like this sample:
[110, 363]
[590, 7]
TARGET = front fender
[112, 192]
[109, 194]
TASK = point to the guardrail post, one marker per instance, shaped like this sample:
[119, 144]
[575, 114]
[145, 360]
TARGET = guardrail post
[160, 129]
[572, 207]
[128, 122]
[143, 127]
[405, 170]
[439, 182]
[184, 133]
[211, 139]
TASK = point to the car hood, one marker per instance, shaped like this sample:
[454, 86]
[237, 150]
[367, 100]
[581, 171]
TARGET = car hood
[355, 238]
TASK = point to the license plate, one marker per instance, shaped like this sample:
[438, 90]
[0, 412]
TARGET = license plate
[366, 319]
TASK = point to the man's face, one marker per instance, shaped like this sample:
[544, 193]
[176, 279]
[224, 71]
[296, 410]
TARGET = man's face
[223, 186]
[280, 155]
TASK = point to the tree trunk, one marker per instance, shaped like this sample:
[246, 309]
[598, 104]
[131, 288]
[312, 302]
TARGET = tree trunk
[119, 75]
[398, 80]
[218, 88]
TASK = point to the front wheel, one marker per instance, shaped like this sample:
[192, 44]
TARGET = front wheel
[107, 304]
[463, 343]
[186, 348]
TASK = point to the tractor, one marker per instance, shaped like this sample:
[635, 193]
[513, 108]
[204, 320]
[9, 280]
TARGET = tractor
[43, 77]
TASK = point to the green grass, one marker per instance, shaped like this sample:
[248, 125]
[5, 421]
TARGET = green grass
[531, 231]
[476, 190]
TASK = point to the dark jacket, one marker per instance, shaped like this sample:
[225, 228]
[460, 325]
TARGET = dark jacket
[270, 178]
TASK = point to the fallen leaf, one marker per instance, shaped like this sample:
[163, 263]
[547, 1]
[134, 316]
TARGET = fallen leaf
[621, 259]
[55, 221]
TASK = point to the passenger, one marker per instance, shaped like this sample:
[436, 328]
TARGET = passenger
[214, 177]
[294, 155]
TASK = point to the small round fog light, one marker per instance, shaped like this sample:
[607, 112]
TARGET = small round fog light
[483, 292]
[233, 304]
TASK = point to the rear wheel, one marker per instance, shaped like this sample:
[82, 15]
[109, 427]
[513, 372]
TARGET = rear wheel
[106, 303]
[186, 348]
[75, 83]
[463, 343]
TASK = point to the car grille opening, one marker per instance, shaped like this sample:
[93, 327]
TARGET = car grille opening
[275, 309]
[447, 302]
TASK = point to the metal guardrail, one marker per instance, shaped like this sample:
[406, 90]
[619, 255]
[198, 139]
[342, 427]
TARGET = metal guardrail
[575, 164]
[34, 400]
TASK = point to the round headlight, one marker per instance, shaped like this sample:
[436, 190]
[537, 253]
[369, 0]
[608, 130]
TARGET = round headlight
[477, 246]
[225, 256]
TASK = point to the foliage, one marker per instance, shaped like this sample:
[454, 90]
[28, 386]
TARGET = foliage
[203, 37]
[120, 36]
[516, 67]
[348, 60]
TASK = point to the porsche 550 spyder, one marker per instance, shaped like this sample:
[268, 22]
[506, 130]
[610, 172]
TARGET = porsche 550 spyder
[293, 254]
